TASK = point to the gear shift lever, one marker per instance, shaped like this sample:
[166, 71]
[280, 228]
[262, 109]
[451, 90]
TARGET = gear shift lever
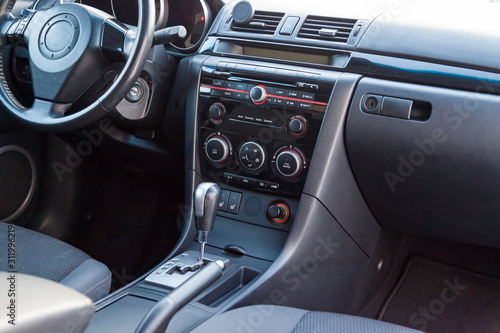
[206, 204]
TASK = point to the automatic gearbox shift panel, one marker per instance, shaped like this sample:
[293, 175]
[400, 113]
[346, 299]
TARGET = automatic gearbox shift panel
[259, 125]
[177, 270]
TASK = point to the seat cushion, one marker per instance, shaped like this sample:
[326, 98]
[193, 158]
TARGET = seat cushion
[47, 257]
[280, 319]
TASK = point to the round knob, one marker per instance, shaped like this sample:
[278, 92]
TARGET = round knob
[289, 163]
[279, 213]
[243, 12]
[252, 156]
[216, 113]
[258, 95]
[217, 149]
[297, 125]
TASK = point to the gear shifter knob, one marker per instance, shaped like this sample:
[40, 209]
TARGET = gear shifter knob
[206, 204]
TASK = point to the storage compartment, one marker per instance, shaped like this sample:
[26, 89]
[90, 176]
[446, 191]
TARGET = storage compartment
[437, 178]
[231, 286]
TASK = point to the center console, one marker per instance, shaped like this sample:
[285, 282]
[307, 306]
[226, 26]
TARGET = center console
[252, 127]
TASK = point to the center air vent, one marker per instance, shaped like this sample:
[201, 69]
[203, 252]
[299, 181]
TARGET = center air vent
[327, 28]
[261, 23]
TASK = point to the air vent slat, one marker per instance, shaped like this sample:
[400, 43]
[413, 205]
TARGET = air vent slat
[314, 24]
[316, 31]
[261, 23]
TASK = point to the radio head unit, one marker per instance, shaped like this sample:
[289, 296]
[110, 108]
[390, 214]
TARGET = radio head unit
[259, 133]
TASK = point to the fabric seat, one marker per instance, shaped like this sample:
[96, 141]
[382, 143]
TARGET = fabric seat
[280, 319]
[44, 256]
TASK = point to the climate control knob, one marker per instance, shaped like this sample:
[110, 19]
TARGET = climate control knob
[218, 149]
[216, 113]
[289, 162]
[252, 157]
[258, 95]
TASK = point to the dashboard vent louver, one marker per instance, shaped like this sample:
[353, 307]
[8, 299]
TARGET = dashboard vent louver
[330, 29]
[261, 23]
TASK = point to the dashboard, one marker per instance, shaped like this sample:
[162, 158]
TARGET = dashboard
[281, 63]
[414, 80]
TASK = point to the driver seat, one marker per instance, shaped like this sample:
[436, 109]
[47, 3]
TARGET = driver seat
[44, 256]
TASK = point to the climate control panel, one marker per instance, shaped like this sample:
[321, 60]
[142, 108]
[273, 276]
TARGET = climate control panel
[259, 135]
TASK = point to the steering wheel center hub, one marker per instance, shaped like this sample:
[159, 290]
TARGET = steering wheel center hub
[59, 36]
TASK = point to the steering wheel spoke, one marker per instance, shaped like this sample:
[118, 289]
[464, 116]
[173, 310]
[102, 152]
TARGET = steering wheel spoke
[47, 111]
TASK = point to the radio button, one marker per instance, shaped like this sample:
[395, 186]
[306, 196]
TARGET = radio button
[293, 94]
[307, 96]
[228, 94]
[292, 104]
[239, 95]
[229, 84]
[280, 92]
[277, 101]
[241, 86]
[218, 83]
[216, 92]
[305, 106]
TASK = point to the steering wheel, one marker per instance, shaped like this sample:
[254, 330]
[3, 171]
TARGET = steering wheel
[69, 46]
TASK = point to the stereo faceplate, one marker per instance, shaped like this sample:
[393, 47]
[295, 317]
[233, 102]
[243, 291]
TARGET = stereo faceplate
[270, 127]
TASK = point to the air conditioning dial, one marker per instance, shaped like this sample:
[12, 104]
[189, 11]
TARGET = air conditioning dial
[288, 162]
[252, 157]
[218, 149]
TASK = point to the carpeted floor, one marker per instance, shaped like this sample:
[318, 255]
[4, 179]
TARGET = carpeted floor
[434, 297]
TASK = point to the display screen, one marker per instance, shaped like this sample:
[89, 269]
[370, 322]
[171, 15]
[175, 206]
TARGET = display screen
[285, 55]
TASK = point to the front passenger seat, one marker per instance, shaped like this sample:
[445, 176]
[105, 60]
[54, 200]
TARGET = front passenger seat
[280, 319]
[44, 256]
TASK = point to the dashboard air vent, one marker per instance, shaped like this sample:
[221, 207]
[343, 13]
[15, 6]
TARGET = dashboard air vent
[327, 28]
[261, 23]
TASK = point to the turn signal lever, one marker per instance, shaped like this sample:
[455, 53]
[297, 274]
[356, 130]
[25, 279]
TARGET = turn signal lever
[169, 35]
[206, 204]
